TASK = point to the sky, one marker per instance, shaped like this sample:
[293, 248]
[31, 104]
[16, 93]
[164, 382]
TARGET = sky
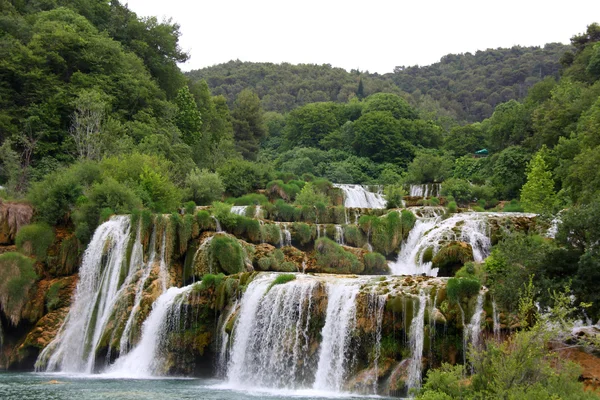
[374, 35]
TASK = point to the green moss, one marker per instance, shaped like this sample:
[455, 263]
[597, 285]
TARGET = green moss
[68, 255]
[375, 264]
[458, 288]
[227, 254]
[428, 255]
[34, 240]
[17, 276]
[211, 281]
[451, 257]
[205, 222]
[353, 236]
[281, 279]
[52, 296]
[332, 258]
[408, 220]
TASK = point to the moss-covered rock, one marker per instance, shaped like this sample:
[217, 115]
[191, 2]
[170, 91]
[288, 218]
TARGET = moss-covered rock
[17, 276]
[332, 258]
[451, 257]
[13, 216]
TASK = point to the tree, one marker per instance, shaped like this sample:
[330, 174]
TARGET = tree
[538, 195]
[306, 126]
[205, 186]
[86, 125]
[248, 123]
[188, 117]
[389, 102]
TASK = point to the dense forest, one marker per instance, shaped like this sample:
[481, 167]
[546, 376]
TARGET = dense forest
[97, 119]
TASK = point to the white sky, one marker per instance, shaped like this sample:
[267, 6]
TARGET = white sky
[374, 35]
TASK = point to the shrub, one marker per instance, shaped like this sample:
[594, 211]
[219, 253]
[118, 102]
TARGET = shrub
[52, 296]
[459, 189]
[408, 220]
[451, 256]
[353, 236]
[452, 207]
[332, 258]
[228, 254]
[222, 212]
[248, 200]
[34, 240]
[513, 206]
[434, 201]
[242, 176]
[284, 212]
[375, 264]
[205, 222]
[311, 194]
[301, 233]
[458, 288]
[286, 191]
[271, 233]
[394, 195]
[189, 208]
[211, 280]
[204, 186]
[281, 279]
[309, 214]
[17, 276]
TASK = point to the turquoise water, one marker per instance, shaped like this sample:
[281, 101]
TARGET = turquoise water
[41, 386]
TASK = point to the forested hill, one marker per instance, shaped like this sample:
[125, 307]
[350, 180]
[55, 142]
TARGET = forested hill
[464, 86]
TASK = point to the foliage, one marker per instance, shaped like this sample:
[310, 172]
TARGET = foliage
[459, 189]
[205, 186]
[459, 288]
[281, 279]
[375, 264]
[429, 167]
[332, 258]
[241, 177]
[310, 197]
[301, 232]
[52, 296]
[394, 195]
[34, 240]
[17, 276]
[248, 124]
[537, 194]
[227, 254]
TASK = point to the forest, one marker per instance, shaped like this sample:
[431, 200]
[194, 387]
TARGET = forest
[97, 119]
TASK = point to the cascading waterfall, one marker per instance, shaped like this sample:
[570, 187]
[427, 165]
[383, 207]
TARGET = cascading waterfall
[271, 334]
[144, 360]
[100, 283]
[257, 212]
[340, 320]
[287, 235]
[239, 210]
[339, 234]
[358, 196]
[416, 339]
[496, 320]
[425, 190]
[473, 330]
[375, 309]
[224, 342]
[217, 223]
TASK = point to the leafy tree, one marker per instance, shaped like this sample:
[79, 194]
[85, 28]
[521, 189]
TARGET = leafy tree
[308, 125]
[397, 106]
[537, 194]
[248, 123]
[206, 187]
[428, 167]
[188, 117]
[86, 126]
[509, 171]
[463, 140]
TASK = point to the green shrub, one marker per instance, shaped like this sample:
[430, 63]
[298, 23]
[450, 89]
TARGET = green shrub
[434, 201]
[452, 207]
[227, 254]
[271, 233]
[458, 288]
[375, 264]
[52, 296]
[513, 206]
[281, 279]
[284, 212]
[211, 280]
[339, 215]
[301, 233]
[242, 176]
[353, 236]
[451, 256]
[189, 208]
[288, 266]
[309, 214]
[394, 194]
[222, 212]
[313, 193]
[460, 189]
[332, 258]
[34, 240]
[105, 214]
[408, 220]
[68, 255]
[17, 276]
[205, 222]
[249, 228]
[204, 186]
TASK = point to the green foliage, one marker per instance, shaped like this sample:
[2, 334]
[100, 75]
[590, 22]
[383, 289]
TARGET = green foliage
[451, 256]
[452, 207]
[375, 264]
[227, 254]
[248, 200]
[282, 279]
[241, 177]
[394, 195]
[52, 296]
[17, 276]
[34, 240]
[353, 236]
[189, 208]
[211, 281]
[332, 258]
[513, 206]
[301, 233]
[459, 288]
[271, 233]
[429, 167]
[537, 194]
[508, 171]
[460, 189]
[205, 222]
[205, 186]
[222, 212]
[310, 196]
[248, 123]
[188, 117]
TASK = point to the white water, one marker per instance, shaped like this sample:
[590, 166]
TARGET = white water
[271, 335]
[416, 339]
[224, 340]
[218, 224]
[375, 310]
[73, 349]
[144, 360]
[496, 319]
[339, 234]
[287, 235]
[358, 196]
[425, 190]
[340, 320]
[473, 330]
[239, 210]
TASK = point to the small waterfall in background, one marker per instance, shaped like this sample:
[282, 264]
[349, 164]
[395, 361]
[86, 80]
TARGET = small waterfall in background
[287, 235]
[145, 360]
[473, 330]
[217, 223]
[258, 212]
[496, 320]
[224, 342]
[376, 306]
[100, 274]
[359, 197]
[339, 234]
[425, 190]
[416, 339]
[340, 320]
[239, 210]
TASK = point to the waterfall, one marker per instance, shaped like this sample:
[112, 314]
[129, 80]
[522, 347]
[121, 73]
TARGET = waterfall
[339, 234]
[496, 319]
[137, 253]
[425, 190]
[340, 320]
[358, 196]
[271, 334]
[223, 339]
[281, 242]
[473, 330]
[145, 359]
[257, 212]
[431, 232]
[416, 339]
[376, 306]
[217, 223]
[239, 210]
[100, 284]
[287, 235]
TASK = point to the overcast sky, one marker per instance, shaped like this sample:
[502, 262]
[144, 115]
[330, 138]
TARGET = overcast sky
[373, 36]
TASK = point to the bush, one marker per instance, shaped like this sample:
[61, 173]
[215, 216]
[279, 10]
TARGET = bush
[248, 200]
[17, 276]
[34, 240]
[451, 256]
[211, 281]
[301, 233]
[189, 208]
[204, 186]
[332, 258]
[222, 212]
[461, 190]
[408, 220]
[241, 176]
[394, 195]
[281, 279]
[227, 254]
[458, 288]
[452, 207]
[52, 296]
[312, 194]
[375, 264]
[278, 189]
[353, 236]
[284, 212]
[271, 233]
[513, 206]
[205, 222]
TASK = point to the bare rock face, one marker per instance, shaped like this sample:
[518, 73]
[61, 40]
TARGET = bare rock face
[12, 217]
